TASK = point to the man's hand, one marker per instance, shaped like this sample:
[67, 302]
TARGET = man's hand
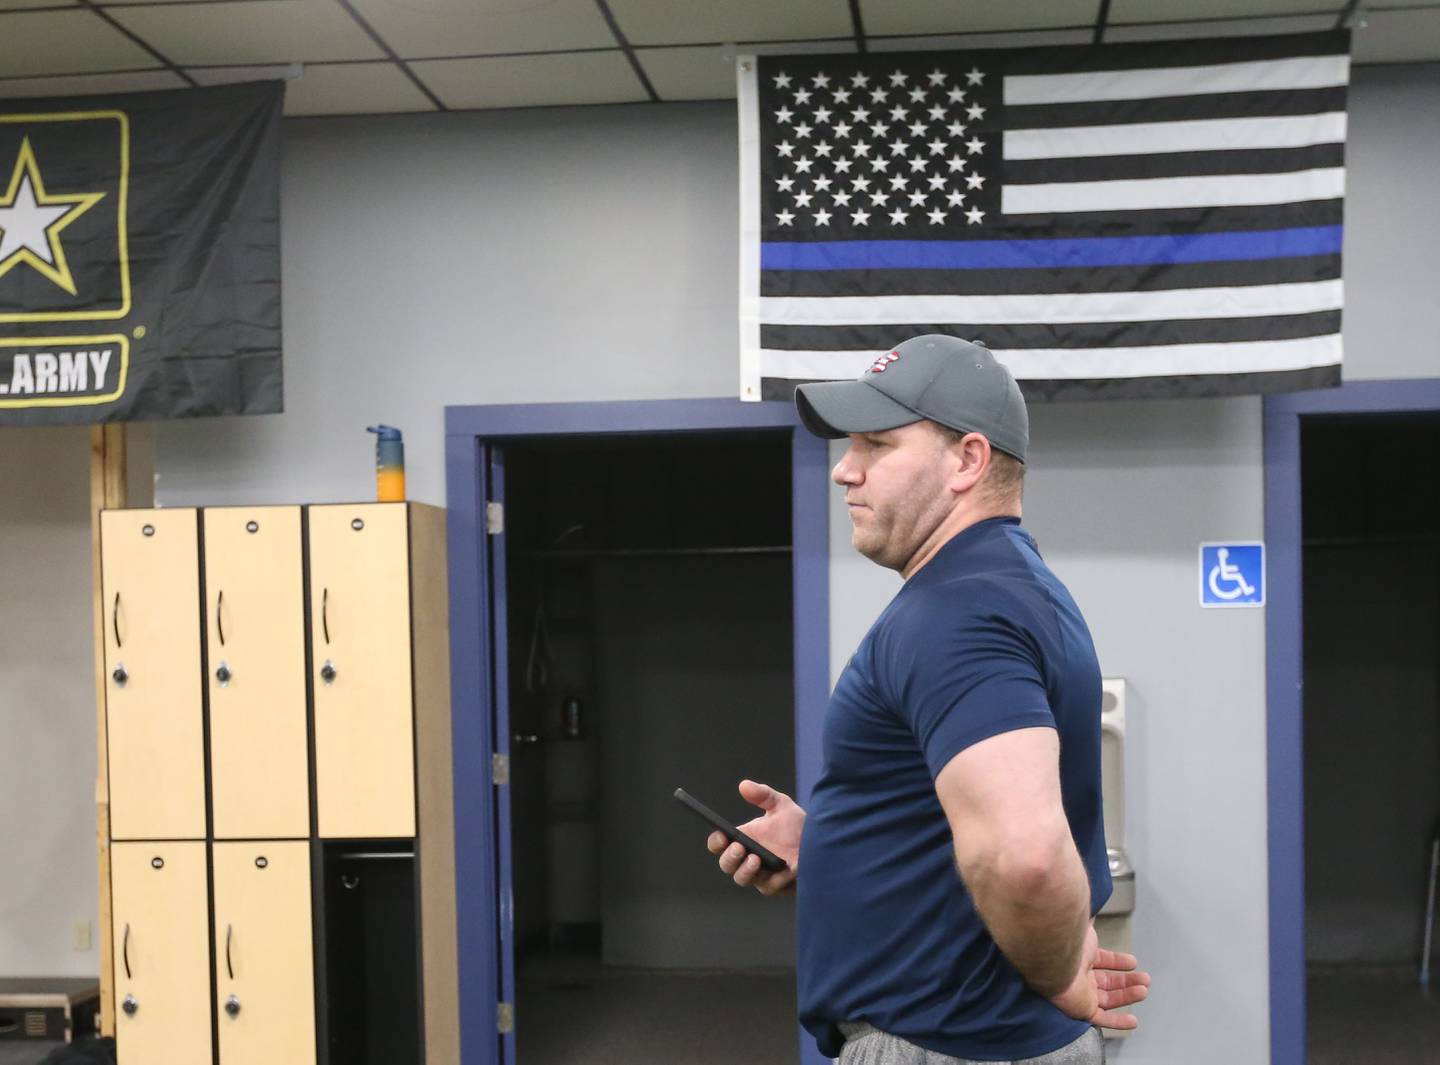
[778, 830]
[1107, 981]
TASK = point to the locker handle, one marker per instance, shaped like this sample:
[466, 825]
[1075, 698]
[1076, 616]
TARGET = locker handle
[115, 620]
[325, 613]
[125, 951]
[219, 621]
[229, 929]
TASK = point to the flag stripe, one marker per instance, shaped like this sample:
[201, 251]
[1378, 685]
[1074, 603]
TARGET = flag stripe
[1063, 363]
[1013, 254]
[1175, 53]
[1154, 386]
[1146, 138]
[1085, 335]
[1177, 164]
[1305, 72]
[1177, 220]
[1219, 302]
[1149, 193]
[1030, 280]
[1177, 108]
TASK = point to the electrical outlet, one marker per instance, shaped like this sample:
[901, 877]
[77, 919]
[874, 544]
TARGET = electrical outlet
[80, 935]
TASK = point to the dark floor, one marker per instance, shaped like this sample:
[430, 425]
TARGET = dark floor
[1371, 1015]
[573, 1010]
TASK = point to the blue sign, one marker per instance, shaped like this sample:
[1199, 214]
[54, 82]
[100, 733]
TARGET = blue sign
[1232, 574]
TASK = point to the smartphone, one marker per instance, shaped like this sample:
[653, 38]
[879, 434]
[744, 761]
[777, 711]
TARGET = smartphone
[772, 863]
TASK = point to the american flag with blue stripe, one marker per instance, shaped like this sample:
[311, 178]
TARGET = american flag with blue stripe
[1129, 220]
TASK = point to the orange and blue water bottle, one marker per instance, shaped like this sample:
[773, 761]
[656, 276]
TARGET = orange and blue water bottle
[389, 464]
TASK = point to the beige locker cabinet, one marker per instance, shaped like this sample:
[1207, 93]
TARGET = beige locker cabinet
[150, 583]
[160, 920]
[255, 638]
[360, 655]
[264, 964]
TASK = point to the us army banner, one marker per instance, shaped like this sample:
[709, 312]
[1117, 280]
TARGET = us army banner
[140, 256]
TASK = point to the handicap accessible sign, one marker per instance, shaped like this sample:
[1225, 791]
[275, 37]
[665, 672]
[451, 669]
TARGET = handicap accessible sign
[1232, 574]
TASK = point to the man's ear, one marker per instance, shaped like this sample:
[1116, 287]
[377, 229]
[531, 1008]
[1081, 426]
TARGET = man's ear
[970, 457]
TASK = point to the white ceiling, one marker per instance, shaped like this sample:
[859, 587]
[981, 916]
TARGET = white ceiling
[377, 56]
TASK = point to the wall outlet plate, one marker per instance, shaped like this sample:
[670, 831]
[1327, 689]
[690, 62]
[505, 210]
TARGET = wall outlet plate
[80, 935]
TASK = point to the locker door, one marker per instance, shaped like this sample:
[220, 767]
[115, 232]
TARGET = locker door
[264, 970]
[161, 916]
[153, 709]
[255, 632]
[360, 641]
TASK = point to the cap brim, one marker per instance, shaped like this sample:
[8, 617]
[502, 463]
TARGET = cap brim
[832, 409]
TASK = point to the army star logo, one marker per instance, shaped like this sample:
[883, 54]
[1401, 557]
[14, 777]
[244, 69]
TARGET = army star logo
[31, 221]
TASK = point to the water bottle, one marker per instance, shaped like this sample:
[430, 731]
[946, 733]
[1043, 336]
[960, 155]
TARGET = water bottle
[389, 464]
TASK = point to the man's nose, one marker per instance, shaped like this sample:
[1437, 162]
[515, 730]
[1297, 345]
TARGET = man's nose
[846, 471]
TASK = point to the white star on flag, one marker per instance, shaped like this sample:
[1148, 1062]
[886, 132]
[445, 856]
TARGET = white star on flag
[974, 76]
[974, 215]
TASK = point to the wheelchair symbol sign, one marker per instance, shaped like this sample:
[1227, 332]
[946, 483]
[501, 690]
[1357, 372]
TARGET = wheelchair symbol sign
[1232, 574]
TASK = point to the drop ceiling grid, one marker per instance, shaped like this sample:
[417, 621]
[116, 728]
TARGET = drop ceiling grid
[681, 46]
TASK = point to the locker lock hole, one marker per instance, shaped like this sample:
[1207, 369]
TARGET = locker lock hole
[357, 525]
[252, 526]
[148, 530]
[262, 862]
[157, 863]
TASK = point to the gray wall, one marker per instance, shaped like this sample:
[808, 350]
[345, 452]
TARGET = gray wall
[47, 703]
[591, 254]
[695, 691]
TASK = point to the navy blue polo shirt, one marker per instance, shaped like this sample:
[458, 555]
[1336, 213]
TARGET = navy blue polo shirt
[981, 640]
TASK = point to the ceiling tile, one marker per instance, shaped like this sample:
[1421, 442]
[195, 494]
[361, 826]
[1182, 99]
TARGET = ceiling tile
[332, 88]
[1186, 10]
[969, 41]
[705, 21]
[91, 84]
[432, 28]
[253, 31]
[66, 42]
[1397, 37]
[20, 5]
[690, 73]
[1374, 5]
[1259, 27]
[884, 17]
[533, 81]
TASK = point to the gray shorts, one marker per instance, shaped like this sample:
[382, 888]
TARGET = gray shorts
[865, 1045]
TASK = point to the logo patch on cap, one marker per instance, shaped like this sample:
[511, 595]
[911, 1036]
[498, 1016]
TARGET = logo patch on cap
[878, 366]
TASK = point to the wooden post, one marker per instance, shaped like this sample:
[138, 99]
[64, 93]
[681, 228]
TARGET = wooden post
[108, 489]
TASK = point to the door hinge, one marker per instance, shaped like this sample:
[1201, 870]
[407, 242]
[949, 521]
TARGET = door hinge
[500, 768]
[494, 518]
[505, 1018]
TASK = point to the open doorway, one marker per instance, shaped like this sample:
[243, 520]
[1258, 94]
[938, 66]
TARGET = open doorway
[656, 542]
[1371, 724]
[650, 647]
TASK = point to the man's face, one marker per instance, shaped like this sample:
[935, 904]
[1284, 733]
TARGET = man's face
[895, 485]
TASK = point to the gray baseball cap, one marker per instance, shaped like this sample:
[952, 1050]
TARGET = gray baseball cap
[941, 378]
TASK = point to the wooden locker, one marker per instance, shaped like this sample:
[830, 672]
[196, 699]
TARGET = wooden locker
[255, 632]
[264, 961]
[160, 913]
[360, 640]
[153, 703]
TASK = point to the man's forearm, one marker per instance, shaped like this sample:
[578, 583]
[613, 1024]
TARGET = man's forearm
[1037, 912]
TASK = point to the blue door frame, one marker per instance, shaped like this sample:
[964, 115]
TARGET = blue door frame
[1284, 662]
[468, 431]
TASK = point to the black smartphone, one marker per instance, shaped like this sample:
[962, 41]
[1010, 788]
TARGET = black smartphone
[772, 863]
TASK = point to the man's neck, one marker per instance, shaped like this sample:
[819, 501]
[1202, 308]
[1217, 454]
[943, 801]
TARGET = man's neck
[960, 519]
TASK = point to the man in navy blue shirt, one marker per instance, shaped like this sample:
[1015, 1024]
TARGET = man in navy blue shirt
[963, 733]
